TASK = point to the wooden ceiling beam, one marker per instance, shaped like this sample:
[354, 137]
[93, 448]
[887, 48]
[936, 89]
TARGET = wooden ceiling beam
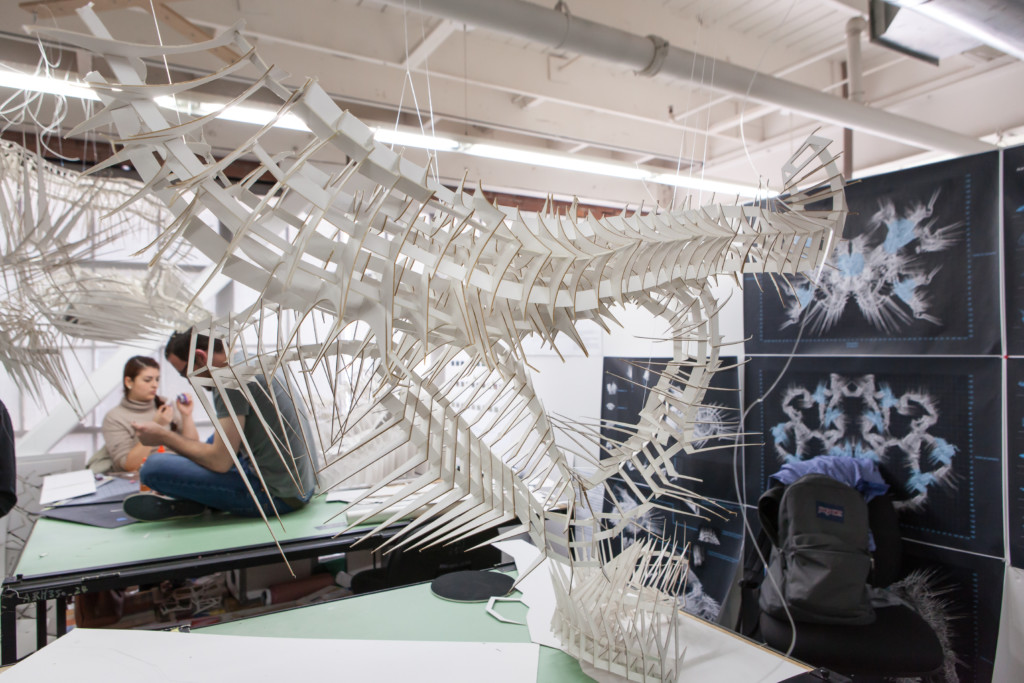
[192, 32]
[64, 8]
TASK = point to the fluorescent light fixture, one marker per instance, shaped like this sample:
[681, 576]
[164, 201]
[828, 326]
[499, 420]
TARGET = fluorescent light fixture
[261, 117]
[46, 84]
[606, 168]
[404, 139]
[562, 161]
[712, 186]
[238, 113]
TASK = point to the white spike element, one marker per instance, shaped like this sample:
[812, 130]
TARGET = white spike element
[378, 274]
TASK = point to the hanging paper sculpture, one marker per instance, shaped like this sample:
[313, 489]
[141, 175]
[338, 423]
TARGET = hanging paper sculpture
[380, 275]
[53, 219]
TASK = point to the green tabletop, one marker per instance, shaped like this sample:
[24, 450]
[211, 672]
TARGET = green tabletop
[410, 613]
[56, 546]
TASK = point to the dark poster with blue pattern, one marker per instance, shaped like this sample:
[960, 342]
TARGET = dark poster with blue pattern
[1013, 228]
[970, 590]
[1015, 459]
[917, 272]
[714, 534]
[933, 426]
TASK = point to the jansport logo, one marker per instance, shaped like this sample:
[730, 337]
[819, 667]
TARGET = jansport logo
[830, 512]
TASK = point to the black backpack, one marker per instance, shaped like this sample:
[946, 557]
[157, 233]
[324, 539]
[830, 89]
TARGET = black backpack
[820, 562]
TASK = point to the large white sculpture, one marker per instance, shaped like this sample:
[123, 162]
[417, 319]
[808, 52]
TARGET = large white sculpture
[51, 220]
[377, 272]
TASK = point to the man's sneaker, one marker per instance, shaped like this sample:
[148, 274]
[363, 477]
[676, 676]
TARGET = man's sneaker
[152, 507]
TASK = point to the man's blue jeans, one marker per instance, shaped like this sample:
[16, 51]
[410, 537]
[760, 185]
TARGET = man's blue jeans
[177, 476]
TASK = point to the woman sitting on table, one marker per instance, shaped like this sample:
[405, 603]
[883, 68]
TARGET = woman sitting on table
[141, 403]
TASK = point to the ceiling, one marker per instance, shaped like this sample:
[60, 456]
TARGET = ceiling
[399, 63]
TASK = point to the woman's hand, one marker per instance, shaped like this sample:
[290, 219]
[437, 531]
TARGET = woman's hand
[185, 405]
[164, 415]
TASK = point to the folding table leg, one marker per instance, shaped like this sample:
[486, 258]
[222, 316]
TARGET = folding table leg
[62, 616]
[8, 633]
[41, 638]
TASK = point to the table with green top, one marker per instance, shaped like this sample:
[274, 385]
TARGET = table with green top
[407, 613]
[63, 559]
[414, 613]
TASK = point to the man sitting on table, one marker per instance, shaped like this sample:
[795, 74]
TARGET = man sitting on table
[200, 475]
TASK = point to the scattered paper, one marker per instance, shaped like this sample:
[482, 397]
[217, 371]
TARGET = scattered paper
[348, 495]
[538, 592]
[67, 485]
[114, 656]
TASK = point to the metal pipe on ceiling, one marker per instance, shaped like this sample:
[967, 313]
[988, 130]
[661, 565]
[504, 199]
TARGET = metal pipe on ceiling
[854, 88]
[649, 55]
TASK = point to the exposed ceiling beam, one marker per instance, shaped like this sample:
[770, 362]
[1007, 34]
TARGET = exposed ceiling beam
[192, 32]
[765, 110]
[429, 44]
[575, 34]
[514, 93]
[807, 61]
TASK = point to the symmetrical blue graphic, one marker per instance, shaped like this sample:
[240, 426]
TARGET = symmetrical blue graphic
[861, 418]
[881, 271]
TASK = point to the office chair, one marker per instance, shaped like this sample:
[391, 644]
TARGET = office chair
[899, 643]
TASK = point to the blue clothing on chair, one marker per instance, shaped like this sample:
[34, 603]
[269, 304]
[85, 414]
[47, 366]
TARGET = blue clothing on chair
[859, 473]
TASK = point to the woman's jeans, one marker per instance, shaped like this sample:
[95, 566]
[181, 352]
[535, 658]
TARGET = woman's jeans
[176, 476]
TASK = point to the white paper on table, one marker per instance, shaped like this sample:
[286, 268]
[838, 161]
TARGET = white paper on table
[113, 656]
[348, 495]
[67, 485]
[537, 589]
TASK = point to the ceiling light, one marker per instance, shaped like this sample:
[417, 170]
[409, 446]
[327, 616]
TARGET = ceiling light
[46, 84]
[404, 139]
[568, 162]
[261, 117]
[712, 186]
[563, 161]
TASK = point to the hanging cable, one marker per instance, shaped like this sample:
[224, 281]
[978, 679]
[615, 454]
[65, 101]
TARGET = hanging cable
[167, 67]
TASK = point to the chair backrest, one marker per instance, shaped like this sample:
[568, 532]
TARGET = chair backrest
[888, 553]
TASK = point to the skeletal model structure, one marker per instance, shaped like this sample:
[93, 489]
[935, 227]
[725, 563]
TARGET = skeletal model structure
[377, 273]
